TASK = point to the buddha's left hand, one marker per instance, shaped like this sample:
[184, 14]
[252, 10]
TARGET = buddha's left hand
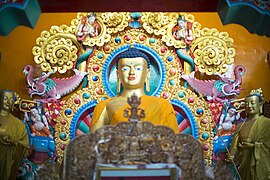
[5, 140]
[244, 144]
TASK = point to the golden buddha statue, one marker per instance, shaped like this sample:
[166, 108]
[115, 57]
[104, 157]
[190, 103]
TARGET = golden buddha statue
[13, 138]
[133, 72]
[251, 141]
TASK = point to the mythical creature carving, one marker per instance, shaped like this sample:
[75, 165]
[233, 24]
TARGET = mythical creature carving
[51, 88]
[218, 90]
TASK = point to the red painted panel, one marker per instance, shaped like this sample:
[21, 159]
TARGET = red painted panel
[128, 5]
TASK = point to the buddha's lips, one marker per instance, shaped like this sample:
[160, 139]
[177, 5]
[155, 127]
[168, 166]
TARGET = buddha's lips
[131, 78]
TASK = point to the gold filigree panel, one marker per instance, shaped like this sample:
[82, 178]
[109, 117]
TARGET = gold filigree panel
[62, 127]
[115, 21]
[56, 49]
[155, 23]
[200, 109]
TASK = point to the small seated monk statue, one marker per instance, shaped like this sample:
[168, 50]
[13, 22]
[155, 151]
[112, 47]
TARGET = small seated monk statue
[13, 138]
[40, 126]
[133, 72]
[251, 142]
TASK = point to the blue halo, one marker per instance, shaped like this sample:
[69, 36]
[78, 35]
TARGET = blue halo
[109, 77]
[190, 116]
[77, 115]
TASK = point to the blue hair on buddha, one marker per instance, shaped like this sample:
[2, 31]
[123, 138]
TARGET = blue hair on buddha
[133, 53]
[7, 91]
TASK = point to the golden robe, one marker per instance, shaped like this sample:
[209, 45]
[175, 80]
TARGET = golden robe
[254, 162]
[157, 111]
[12, 155]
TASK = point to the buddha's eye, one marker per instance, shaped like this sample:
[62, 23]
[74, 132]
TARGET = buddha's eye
[139, 68]
[125, 68]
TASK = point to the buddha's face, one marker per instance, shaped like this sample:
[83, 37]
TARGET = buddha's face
[132, 72]
[6, 101]
[253, 105]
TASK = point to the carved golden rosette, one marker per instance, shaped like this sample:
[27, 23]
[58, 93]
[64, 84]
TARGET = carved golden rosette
[201, 111]
[115, 21]
[155, 23]
[168, 37]
[213, 51]
[56, 49]
[99, 40]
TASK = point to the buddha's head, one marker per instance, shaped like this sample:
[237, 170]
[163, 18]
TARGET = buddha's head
[253, 105]
[133, 69]
[6, 100]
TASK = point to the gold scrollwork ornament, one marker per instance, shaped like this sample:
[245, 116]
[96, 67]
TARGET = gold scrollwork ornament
[115, 21]
[213, 51]
[56, 49]
[155, 23]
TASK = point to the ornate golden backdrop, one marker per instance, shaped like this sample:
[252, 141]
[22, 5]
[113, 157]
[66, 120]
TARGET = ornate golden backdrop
[213, 51]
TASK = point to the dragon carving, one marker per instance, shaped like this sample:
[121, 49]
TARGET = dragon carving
[51, 89]
[218, 90]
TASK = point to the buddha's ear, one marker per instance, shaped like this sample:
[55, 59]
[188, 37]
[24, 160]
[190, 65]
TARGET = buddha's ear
[148, 72]
[118, 82]
[117, 74]
[261, 107]
[147, 80]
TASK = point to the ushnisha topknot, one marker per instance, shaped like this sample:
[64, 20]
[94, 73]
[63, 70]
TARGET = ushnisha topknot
[133, 52]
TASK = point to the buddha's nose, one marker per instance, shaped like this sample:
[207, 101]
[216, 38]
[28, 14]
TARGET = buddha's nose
[131, 71]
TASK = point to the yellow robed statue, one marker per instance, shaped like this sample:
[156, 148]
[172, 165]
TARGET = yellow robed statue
[133, 72]
[13, 138]
[251, 142]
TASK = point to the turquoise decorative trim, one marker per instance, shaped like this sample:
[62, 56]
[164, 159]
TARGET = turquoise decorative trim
[253, 18]
[13, 15]
[190, 116]
[77, 115]
[135, 23]
[187, 59]
[109, 63]
[219, 85]
[84, 57]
